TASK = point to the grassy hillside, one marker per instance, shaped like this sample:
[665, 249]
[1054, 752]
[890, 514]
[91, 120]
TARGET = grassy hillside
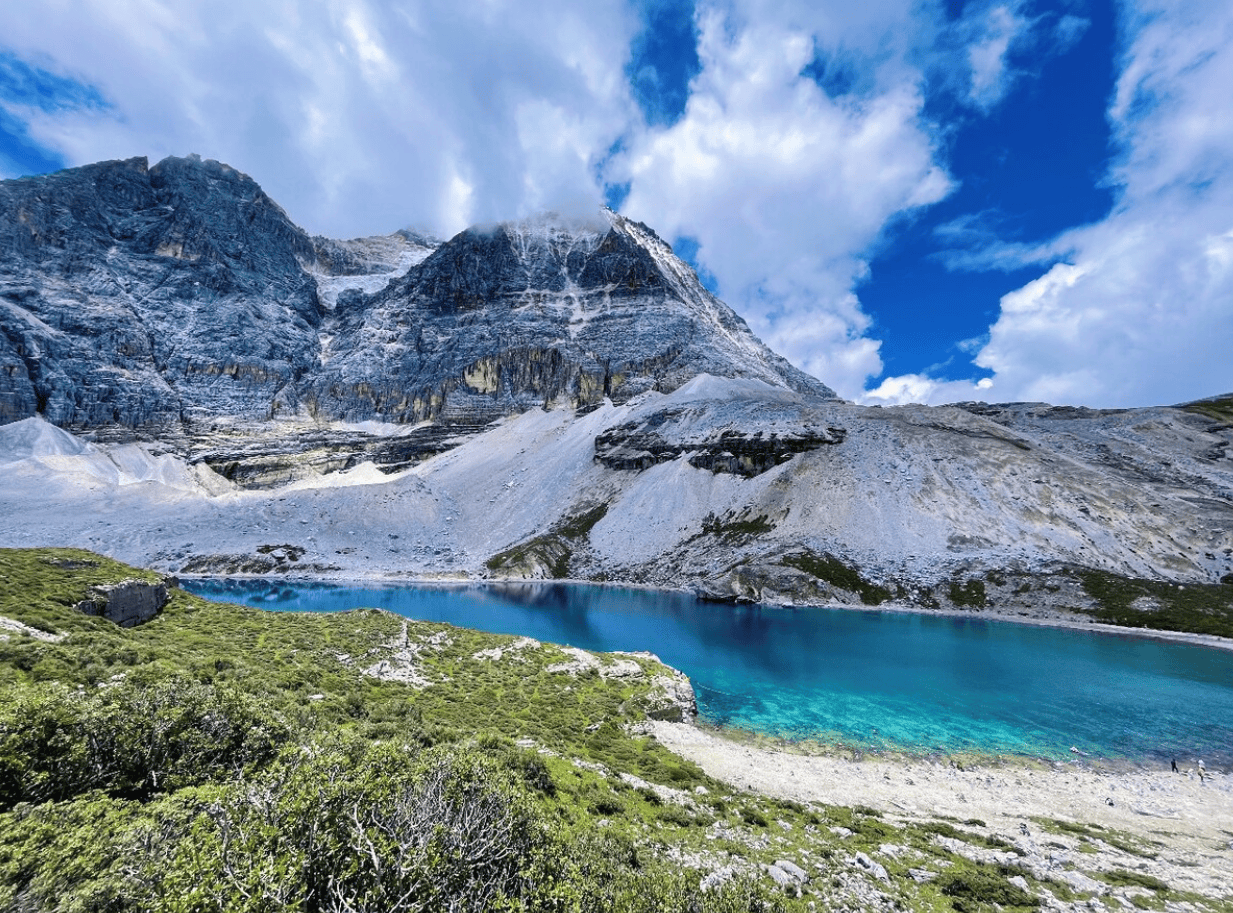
[225, 758]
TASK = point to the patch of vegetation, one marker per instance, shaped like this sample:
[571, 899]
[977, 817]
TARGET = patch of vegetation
[829, 569]
[864, 823]
[754, 817]
[1198, 608]
[1125, 879]
[1219, 410]
[1126, 842]
[734, 529]
[968, 595]
[971, 890]
[553, 550]
[131, 739]
[580, 526]
[942, 829]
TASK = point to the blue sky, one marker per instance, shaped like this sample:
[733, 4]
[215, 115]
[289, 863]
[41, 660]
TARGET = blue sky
[913, 200]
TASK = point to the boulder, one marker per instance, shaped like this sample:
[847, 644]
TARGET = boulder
[128, 603]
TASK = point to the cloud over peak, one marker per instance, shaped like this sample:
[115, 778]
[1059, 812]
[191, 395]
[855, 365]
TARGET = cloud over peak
[789, 144]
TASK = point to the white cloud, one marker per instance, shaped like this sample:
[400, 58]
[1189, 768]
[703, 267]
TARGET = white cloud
[996, 30]
[1142, 311]
[784, 188]
[359, 116]
[1139, 310]
[920, 388]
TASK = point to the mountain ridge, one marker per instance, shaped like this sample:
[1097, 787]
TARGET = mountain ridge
[537, 399]
[189, 296]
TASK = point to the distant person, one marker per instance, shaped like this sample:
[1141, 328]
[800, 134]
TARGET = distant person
[1175, 765]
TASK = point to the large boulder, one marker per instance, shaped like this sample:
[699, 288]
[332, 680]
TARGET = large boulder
[127, 603]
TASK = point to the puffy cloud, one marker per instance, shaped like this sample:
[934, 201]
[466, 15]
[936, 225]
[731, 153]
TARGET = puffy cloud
[921, 388]
[1141, 309]
[358, 116]
[1137, 308]
[783, 187]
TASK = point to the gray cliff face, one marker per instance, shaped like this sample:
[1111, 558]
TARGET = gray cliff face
[153, 302]
[141, 298]
[512, 316]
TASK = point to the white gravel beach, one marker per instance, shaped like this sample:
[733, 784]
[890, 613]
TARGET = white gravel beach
[1189, 821]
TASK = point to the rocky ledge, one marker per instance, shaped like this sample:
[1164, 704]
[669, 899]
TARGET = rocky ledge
[635, 446]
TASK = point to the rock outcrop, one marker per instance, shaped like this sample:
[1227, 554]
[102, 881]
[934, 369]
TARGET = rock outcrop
[633, 446]
[517, 315]
[128, 603]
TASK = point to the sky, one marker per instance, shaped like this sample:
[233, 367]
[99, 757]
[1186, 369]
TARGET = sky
[914, 200]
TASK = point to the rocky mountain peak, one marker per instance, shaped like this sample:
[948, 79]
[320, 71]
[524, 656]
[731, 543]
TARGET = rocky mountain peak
[151, 300]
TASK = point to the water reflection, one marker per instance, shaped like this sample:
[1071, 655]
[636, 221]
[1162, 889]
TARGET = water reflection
[862, 677]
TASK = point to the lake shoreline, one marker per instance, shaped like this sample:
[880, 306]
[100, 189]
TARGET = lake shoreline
[1043, 618]
[1039, 806]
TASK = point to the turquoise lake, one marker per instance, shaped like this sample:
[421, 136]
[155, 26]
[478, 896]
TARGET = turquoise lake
[868, 679]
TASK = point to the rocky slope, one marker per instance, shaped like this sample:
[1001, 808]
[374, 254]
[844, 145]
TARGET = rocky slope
[748, 492]
[536, 400]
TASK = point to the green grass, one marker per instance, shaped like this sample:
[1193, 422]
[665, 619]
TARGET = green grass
[830, 569]
[941, 828]
[1219, 409]
[972, 890]
[1122, 878]
[1118, 839]
[1196, 608]
[228, 758]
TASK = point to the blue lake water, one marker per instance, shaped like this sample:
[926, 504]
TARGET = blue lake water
[869, 679]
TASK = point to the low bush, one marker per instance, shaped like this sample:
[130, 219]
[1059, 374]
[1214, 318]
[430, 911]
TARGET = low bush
[970, 888]
[1124, 878]
[129, 739]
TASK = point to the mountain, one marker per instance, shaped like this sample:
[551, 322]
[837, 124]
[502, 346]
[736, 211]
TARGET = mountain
[150, 302]
[538, 399]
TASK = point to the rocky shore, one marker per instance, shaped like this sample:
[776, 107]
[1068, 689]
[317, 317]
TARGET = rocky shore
[1068, 822]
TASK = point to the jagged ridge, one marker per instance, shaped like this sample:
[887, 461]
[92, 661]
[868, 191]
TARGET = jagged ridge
[154, 301]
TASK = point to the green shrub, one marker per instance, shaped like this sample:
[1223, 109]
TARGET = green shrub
[832, 570]
[1200, 608]
[753, 817]
[129, 739]
[1124, 878]
[374, 825]
[675, 814]
[970, 594]
[971, 887]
